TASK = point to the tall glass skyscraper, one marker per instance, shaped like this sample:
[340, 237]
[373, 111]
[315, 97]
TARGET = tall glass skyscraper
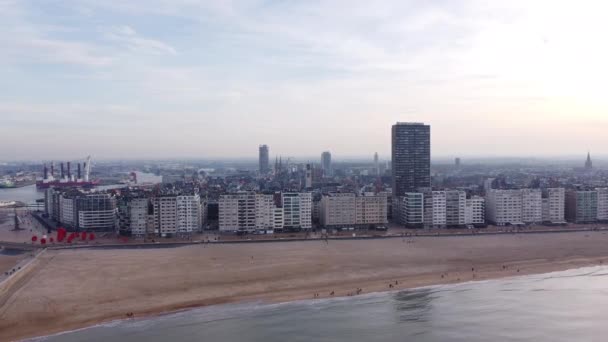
[411, 157]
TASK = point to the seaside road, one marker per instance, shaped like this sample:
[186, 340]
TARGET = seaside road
[8, 291]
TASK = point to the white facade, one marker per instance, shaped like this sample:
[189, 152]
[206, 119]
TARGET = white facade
[456, 202]
[165, 212]
[504, 207]
[554, 205]
[438, 209]
[188, 213]
[97, 220]
[411, 209]
[531, 205]
[371, 209]
[67, 209]
[348, 209]
[602, 204]
[277, 218]
[475, 211]
[248, 211]
[297, 210]
[338, 209]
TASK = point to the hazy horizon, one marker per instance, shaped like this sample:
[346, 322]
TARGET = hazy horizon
[437, 160]
[180, 79]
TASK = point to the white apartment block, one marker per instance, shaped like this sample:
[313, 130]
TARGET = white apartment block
[348, 209]
[435, 208]
[531, 205]
[67, 209]
[504, 207]
[371, 209]
[525, 206]
[475, 212]
[337, 210]
[456, 203]
[188, 213]
[97, 220]
[278, 220]
[297, 210]
[602, 204]
[249, 211]
[411, 209]
[165, 214]
[554, 206]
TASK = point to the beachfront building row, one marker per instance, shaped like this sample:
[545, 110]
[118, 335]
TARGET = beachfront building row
[549, 206]
[587, 206]
[81, 211]
[139, 215]
[449, 208]
[164, 215]
[248, 211]
[525, 206]
[345, 210]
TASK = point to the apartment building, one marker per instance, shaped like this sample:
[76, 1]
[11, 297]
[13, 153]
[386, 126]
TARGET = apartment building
[554, 206]
[602, 204]
[351, 210]
[581, 206]
[456, 204]
[248, 212]
[297, 210]
[504, 207]
[475, 211]
[531, 205]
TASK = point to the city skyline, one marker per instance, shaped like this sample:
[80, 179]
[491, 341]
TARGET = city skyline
[175, 78]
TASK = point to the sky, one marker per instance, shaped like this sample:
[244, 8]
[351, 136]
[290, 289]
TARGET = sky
[210, 79]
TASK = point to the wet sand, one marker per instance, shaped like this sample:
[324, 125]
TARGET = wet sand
[69, 289]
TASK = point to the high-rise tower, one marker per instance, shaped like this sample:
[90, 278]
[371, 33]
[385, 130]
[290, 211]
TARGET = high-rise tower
[263, 159]
[326, 163]
[376, 164]
[411, 158]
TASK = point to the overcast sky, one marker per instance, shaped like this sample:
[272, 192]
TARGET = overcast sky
[205, 79]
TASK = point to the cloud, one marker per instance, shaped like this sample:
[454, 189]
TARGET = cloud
[127, 37]
[341, 69]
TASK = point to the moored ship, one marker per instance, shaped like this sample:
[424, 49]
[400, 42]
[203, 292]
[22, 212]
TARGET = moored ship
[67, 179]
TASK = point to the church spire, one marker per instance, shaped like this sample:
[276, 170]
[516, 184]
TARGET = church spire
[588, 163]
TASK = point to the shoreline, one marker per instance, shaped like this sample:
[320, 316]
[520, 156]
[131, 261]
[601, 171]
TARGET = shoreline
[261, 301]
[82, 288]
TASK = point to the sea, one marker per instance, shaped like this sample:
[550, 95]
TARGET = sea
[560, 306]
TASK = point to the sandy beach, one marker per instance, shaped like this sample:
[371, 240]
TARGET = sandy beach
[69, 289]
